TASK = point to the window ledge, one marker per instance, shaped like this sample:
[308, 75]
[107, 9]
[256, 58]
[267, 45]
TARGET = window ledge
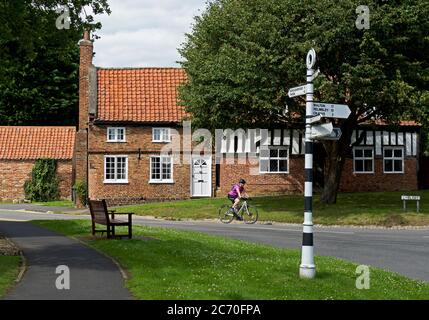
[115, 182]
[112, 141]
[161, 182]
[280, 172]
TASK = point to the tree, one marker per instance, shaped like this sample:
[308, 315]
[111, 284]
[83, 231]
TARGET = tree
[39, 62]
[242, 56]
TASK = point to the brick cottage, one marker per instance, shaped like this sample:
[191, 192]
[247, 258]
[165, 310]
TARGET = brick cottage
[384, 160]
[21, 146]
[128, 115]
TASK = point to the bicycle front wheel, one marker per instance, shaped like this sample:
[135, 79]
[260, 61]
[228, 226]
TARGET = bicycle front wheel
[250, 216]
[225, 214]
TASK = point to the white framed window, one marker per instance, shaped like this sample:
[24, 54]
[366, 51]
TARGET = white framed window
[274, 160]
[393, 160]
[116, 169]
[161, 135]
[161, 169]
[115, 134]
[363, 160]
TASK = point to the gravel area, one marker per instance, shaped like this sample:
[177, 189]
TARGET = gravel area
[7, 248]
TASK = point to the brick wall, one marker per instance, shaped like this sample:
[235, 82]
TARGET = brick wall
[14, 173]
[264, 183]
[65, 177]
[138, 188]
[379, 181]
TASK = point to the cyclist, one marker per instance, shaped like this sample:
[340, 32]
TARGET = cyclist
[237, 192]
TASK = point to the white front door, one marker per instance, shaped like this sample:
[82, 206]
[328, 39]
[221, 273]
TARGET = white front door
[201, 176]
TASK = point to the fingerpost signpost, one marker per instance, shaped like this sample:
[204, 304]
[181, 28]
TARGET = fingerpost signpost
[314, 113]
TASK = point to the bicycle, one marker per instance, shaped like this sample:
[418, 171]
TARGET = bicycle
[245, 213]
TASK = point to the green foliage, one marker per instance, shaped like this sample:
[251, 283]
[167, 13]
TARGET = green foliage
[44, 185]
[81, 191]
[242, 56]
[39, 63]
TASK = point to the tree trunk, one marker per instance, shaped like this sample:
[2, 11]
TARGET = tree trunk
[336, 152]
[334, 164]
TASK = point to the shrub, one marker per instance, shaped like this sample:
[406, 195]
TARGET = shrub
[81, 191]
[44, 185]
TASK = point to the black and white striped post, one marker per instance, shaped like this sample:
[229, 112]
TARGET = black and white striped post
[307, 268]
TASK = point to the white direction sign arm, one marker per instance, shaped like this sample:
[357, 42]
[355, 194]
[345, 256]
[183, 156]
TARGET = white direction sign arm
[321, 130]
[297, 91]
[331, 110]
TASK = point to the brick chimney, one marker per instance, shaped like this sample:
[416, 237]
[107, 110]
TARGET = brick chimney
[81, 145]
[85, 64]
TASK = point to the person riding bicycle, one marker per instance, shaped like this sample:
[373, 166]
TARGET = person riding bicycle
[237, 192]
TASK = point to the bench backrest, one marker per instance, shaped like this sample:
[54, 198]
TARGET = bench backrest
[98, 209]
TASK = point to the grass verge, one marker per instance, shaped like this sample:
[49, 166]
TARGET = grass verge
[171, 264]
[375, 208]
[9, 269]
[56, 203]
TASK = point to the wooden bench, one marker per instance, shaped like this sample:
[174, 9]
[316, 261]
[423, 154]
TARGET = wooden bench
[100, 215]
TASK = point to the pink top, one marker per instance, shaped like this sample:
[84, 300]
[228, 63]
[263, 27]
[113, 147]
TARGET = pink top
[234, 190]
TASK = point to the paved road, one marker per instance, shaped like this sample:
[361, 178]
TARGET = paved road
[92, 275]
[402, 251]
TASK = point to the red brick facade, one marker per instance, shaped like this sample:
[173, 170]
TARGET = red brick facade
[262, 183]
[14, 173]
[379, 181]
[292, 182]
[138, 148]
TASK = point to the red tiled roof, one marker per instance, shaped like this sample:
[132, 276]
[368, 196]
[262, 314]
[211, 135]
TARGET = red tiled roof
[141, 95]
[36, 142]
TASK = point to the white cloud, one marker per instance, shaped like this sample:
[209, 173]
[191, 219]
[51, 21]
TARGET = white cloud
[144, 33]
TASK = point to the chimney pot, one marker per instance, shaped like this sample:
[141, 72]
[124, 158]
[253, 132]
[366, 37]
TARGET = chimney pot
[86, 35]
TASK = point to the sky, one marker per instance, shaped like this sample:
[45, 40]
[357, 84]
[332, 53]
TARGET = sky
[144, 33]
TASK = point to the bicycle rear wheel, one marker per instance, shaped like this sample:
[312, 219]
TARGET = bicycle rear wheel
[225, 214]
[250, 216]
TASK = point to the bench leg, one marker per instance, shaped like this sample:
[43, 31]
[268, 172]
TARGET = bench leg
[130, 231]
[113, 231]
